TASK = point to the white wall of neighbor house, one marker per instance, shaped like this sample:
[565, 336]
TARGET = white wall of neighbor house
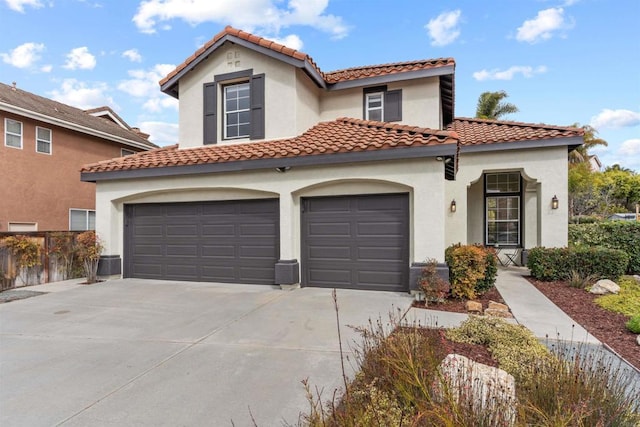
[420, 102]
[421, 178]
[280, 93]
[545, 175]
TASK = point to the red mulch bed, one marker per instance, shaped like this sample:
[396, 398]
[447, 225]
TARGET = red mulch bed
[457, 305]
[605, 325]
[476, 352]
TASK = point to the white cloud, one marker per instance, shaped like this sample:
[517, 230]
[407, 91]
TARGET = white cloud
[18, 5]
[508, 74]
[292, 41]
[82, 95]
[261, 14]
[631, 147]
[444, 29]
[615, 119]
[132, 55]
[80, 58]
[161, 133]
[46, 68]
[23, 56]
[144, 84]
[543, 26]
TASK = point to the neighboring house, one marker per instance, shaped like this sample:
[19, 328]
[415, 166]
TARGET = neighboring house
[44, 145]
[623, 217]
[594, 163]
[286, 174]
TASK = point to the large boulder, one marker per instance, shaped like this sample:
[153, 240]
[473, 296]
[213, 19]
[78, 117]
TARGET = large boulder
[473, 306]
[480, 385]
[605, 286]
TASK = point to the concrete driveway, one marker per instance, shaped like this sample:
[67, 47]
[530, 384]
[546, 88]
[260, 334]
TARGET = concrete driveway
[149, 353]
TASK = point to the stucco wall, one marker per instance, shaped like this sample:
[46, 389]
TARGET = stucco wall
[41, 188]
[420, 102]
[422, 178]
[545, 173]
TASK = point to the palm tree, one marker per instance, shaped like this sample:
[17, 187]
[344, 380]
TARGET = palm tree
[581, 154]
[490, 105]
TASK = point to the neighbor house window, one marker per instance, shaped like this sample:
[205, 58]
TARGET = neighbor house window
[125, 152]
[237, 114]
[503, 213]
[12, 133]
[43, 140]
[23, 226]
[382, 105]
[82, 219]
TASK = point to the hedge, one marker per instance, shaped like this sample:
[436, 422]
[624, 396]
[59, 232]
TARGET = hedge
[549, 264]
[622, 235]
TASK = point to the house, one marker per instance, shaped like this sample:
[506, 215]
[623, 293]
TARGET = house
[594, 163]
[44, 145]
[286, 174]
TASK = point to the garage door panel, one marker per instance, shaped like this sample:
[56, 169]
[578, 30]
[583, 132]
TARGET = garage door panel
[358, 242]
[203, 241]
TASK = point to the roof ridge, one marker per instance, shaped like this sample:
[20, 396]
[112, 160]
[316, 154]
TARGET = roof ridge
[393, 64]
[515, 123]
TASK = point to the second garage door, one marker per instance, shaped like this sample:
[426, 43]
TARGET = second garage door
[356, 242]
[227, 241]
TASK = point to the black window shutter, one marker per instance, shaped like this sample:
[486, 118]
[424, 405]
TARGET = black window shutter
[393, 105]
[210, 118]
[257, 107]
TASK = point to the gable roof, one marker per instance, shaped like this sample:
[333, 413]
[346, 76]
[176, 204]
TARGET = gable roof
[334, 80]
[480, 134]
[340, 141]
[27, 104]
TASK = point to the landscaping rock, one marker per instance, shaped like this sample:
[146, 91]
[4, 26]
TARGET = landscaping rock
[497, 306]
[487, 385]
[473, 306]
[638, 339]
[605, 286]
[498, 313]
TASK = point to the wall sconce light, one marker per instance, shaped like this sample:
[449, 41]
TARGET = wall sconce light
[453, 205]
[554, 202]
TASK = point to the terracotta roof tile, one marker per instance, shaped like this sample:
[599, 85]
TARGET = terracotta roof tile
[339, 136]
[480, 131]
[386, 69]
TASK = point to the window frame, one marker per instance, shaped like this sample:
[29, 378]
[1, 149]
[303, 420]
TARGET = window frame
[7, 132]
[367, 105]
[87, 213]
[225, 112]
[508, 194]
[50, 142]
[126, 152]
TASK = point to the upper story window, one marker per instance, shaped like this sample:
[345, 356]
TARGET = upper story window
[43, 140]
[503, 213]
[241, 111]
[12, 133]
[237, 114]
[382, 105]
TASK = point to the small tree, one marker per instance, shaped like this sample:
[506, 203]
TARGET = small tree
[89, 250]
[26, 252]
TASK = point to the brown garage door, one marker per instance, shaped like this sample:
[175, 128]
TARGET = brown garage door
[356, 242]
[229, 241]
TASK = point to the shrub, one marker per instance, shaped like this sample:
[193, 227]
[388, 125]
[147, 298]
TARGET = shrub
[626, 302]
[89, 250]
[549, 264]
[472, 269]
[579, 280]
[622, 235]
[434, 287]
[634, 324]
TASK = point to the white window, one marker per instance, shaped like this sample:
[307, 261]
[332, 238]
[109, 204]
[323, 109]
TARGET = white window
[82, 219]
[125, 152]
[12, 133]
[237, 114]
[502, 204]
[374, 109]
[23, 226]
[43, 140]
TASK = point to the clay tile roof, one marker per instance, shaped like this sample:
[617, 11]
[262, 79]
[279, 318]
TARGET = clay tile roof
[386, 69]
[28, 101]
[340, 136]
[480, 131]
[260, 41]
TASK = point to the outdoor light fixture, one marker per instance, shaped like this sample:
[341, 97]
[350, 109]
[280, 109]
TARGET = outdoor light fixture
[283, 169]
[453, 205]
[554, 202]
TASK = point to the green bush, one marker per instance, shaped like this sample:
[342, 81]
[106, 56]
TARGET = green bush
[472, 269]
[550, 264]
[626, 302]
[622, 235]
[634, 324]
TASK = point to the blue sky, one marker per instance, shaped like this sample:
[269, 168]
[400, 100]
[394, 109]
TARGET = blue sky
[561, 62]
